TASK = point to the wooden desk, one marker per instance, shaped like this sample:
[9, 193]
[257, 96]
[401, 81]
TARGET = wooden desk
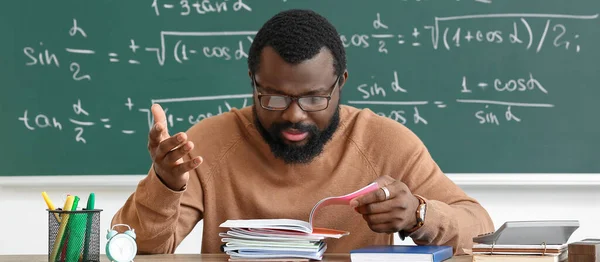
[191, 258]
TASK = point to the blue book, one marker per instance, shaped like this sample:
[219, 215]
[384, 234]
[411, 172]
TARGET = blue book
[402, 253]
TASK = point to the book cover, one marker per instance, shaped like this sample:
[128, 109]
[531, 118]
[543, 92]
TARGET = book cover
[402, 253]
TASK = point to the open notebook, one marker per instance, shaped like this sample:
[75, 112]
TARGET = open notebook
[295, 225]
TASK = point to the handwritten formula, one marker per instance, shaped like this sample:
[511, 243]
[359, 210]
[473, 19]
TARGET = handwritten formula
[385, 90]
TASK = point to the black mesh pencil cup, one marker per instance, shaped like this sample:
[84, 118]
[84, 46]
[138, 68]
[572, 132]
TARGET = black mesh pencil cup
[74, 235]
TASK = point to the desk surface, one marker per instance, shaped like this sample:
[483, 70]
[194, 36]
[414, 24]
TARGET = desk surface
[190, 258]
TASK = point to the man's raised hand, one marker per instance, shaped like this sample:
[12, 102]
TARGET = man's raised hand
[167, 152]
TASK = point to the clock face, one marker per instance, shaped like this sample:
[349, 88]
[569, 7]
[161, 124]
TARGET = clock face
[122, 248]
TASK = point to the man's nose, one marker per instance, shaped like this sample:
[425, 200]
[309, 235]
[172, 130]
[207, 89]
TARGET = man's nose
[294, 113]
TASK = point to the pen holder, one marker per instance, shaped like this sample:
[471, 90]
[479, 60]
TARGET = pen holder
[74, 235]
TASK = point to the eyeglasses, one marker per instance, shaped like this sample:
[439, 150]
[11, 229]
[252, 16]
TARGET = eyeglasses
[309, 103]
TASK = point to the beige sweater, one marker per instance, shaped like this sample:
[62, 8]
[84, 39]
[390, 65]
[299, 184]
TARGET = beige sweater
[241, 179]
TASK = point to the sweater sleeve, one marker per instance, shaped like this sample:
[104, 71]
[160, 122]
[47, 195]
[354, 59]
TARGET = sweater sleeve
[161, 217]
[452, 218]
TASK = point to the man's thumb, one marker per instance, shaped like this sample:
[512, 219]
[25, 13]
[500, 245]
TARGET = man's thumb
[159, 117]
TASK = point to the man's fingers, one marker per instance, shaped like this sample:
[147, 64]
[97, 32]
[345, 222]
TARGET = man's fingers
[158, 113]
[160, 118]
[156, 135]
[372, 197]
[178, 153]
[389, 227]
[187, 166]
[166, 146]
[377, 195]
[374, 219]
[384, 180]
[374, 208]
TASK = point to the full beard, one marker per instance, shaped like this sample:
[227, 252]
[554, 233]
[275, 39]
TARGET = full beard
[296, 154]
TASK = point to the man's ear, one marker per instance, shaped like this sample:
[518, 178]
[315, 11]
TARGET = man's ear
[343, 79]
[250, 75]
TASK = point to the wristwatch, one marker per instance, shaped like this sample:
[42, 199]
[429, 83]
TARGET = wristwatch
[420, 214]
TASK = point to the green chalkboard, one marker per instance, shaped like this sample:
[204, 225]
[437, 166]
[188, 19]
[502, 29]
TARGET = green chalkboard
[490, 86]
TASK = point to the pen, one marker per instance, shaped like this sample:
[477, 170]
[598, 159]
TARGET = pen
[50, 205]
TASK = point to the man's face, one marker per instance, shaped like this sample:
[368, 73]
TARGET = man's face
[294, 135]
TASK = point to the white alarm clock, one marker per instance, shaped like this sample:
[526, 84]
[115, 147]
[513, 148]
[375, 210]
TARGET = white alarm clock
[121, 247]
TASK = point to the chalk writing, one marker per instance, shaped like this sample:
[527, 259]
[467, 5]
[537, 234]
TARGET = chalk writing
[445, 33]
[80, 123]
[521, 84]
[485, 116]
[186, 7]
[533, 32]
[76, 30]
[42, 58]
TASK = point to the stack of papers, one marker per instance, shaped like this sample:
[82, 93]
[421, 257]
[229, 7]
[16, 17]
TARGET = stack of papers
[275, 239]
[283, 239]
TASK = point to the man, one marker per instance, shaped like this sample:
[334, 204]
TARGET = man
[294, 146]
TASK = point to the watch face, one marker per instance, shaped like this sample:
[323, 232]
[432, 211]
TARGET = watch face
[122, 248]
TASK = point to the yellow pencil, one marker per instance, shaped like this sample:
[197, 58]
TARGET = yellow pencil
[62, 228]
[50, 205]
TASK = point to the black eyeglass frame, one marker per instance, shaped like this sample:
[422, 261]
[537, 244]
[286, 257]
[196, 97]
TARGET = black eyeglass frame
[294, 98]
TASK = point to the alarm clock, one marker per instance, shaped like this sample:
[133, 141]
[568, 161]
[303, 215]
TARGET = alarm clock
[121, 247]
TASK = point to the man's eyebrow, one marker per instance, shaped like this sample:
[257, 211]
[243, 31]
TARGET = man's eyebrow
[268, 89]
[320, 91]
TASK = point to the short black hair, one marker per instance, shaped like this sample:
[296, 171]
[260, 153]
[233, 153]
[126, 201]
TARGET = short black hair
[298, 35]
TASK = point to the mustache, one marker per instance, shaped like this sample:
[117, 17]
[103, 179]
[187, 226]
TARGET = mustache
[277, 127]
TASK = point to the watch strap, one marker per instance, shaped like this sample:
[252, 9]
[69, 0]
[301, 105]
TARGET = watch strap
[420, 223]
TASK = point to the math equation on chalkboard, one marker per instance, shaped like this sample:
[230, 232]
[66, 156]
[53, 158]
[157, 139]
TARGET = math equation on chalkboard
[510, 95]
